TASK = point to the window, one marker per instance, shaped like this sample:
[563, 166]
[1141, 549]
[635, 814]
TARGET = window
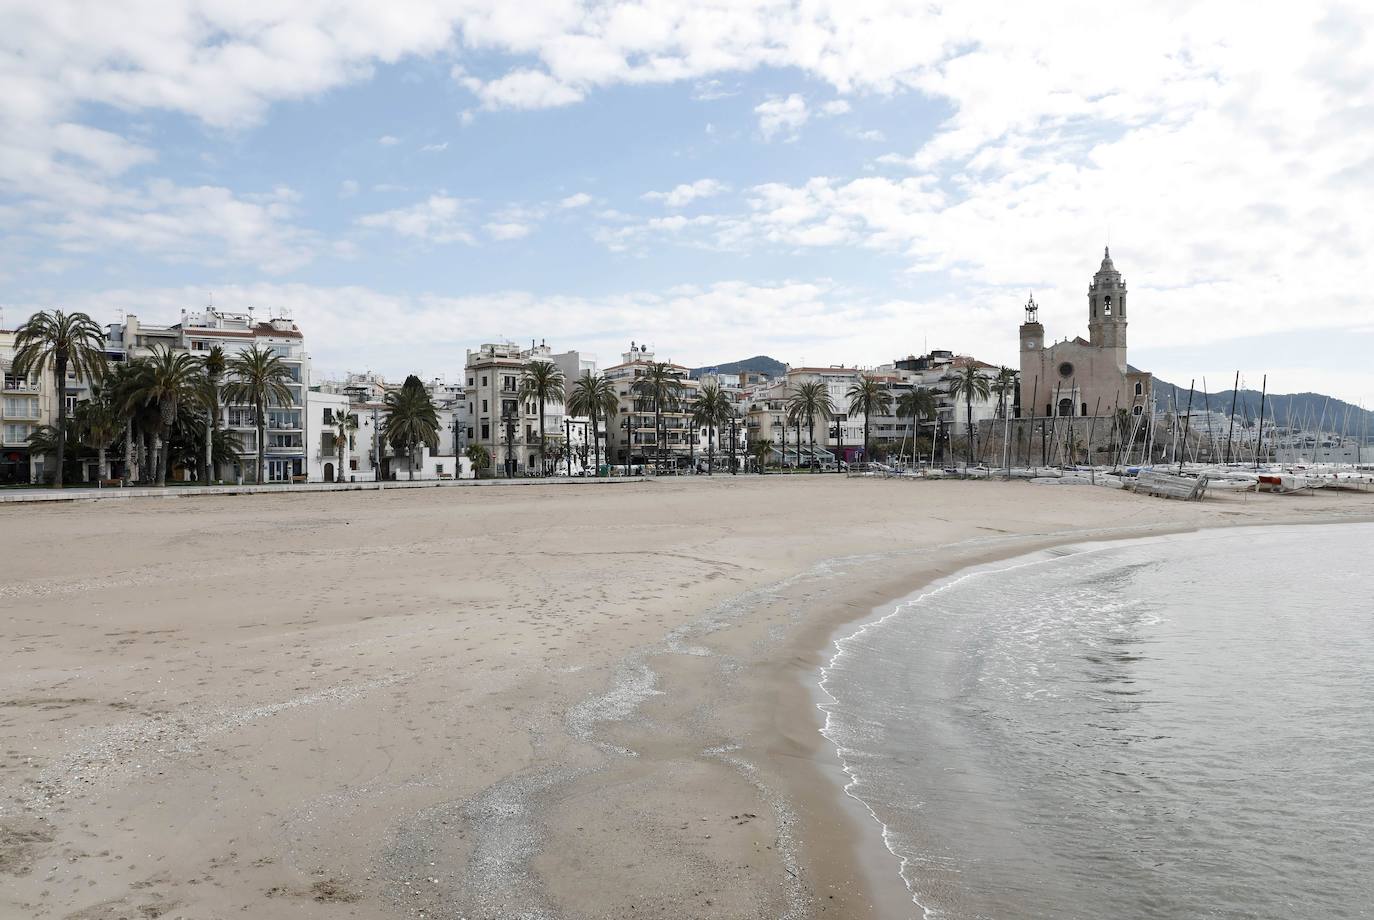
[21, 407]
[1107, 305]
[1136, 410]
[16, 434]
[439, 468]
[484, 405]
[1084, 413]
[469, 381]
[470, 434]
[199, 345]
[328, 416]
[1139, 388]
[1066, 369]
[70, 400]
[241, 418]
[1066, 407]
[486, 431]
[508, 384]
[484, 380]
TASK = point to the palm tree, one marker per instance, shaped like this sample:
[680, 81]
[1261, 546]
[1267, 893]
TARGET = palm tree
[967, 384]
[916, 404]
[44, 441]
[709, 409]
[99, 423]
[661, 383]
[260, 380]
[869, 396]
[65, 342]
[122, 387]
[346, 423]
[593, 395]
[166, 380]
[760, 449]
[411, 419]
[213, 364]
[811, 400]
[480, 458]
[1002, 384]
[542, 381]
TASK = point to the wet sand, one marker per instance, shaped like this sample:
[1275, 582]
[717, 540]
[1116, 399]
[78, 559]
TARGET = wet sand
[475, 703]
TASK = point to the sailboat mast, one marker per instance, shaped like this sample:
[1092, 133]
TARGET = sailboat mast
[1187, 424]
[1259, 435]
[1235, 391]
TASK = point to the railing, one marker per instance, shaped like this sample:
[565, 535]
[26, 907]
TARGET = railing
[20, 386]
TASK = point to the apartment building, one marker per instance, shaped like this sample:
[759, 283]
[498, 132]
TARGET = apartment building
[493, 415]
[631, 436]
[197, 333]
[25, 403]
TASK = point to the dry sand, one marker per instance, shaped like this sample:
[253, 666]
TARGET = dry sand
[481, 703]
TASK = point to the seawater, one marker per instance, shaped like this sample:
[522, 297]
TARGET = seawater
[1167, 728]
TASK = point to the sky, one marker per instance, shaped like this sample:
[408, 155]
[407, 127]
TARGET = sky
[841, 182]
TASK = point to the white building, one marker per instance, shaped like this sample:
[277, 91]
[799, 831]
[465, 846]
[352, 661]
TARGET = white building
[197, 334]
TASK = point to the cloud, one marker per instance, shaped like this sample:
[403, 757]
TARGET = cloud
[782, 115]
[434, 148]
[507, 231]
[579, 200]
[835, 107]
[348, 188]
[523, 89]
[437, 219]
[683, 195]
[386, 140]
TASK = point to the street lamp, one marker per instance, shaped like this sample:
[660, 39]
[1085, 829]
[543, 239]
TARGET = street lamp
[628, 437]
[508, 419]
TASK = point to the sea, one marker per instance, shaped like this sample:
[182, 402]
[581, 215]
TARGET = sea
[1174, 727]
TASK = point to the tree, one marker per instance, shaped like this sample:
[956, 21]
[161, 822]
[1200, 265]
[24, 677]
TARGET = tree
[98, 424]
[480, 457]
[542, 381]
[259, 380]
[811, 400]
[760, 450]
[869, 396]
[916, 404]
[1002, 384]
[121, 384]
[710, 407]
[967, 384]
[166, 381]
[214, 365]
[344, 423]
[64, 342]
[594, 396]
[662, 383]
[411, 419]
[44, 441]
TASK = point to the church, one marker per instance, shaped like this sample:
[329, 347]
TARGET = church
[1083, 378]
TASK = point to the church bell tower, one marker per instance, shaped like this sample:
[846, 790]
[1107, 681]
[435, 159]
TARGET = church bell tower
[1107, 308]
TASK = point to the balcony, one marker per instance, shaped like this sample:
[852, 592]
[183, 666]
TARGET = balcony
[13, 384]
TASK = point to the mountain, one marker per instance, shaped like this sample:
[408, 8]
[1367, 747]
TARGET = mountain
[759, 363]
[1304, 410]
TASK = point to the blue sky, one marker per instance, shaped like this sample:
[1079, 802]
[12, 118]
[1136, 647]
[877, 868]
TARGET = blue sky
[825, 183]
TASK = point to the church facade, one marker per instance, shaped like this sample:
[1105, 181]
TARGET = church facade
[1080, 378]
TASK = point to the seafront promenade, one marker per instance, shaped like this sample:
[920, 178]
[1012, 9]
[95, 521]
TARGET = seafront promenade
[18, 496]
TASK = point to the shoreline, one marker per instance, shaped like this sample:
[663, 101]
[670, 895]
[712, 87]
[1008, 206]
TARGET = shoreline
[875, 862]
[479, 703]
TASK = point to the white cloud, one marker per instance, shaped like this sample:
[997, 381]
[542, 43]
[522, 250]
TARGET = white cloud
[509, 230]
[386, 140]
[434, 148]
[579, 200]
[835, 107]
[782, 115]
[437, 219]
[683, 195]
[523, 89]
[348, 188]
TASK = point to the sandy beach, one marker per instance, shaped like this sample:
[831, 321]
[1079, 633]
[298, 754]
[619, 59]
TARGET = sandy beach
[477, 703]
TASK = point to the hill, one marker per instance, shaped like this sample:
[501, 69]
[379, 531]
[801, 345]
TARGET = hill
[759, 363]
[1304, 410]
